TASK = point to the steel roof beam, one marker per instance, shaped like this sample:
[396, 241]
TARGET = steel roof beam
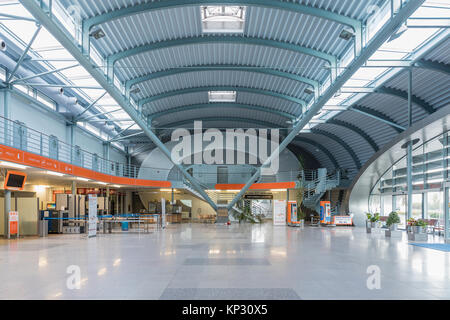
[357, 130]
[434, 66]
[145, 101]
[378, 116]
[340, 142]
[220, 105]
[90, 23]
[262, 123]
[404, 95]
[112, 59]
[320, 147]
[263, 70]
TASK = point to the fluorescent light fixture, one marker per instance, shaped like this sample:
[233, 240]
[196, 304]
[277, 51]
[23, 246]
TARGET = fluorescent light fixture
[116, 186]
[53, 173]
[102, 183]
[277, 190]
[167, 190]
[308, 91]
[82, 179]
[222, 96]
[13, 165]
[223, 19]
[98, 34]
[346, 34]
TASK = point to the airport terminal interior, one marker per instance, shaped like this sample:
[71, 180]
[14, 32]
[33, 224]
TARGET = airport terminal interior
[225, 150]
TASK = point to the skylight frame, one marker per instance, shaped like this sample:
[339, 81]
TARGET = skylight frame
[223, 19]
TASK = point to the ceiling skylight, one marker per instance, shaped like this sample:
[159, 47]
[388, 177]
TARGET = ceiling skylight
[222, 96]
[223, 19]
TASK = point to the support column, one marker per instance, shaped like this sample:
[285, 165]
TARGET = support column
[74, 198]
[7, 115]
[446, 189]
[107, 200]
[7, 209]
[409, 149]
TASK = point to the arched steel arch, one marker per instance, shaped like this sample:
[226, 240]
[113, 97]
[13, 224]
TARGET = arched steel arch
[342, 143]
[89, 23]
[357, 130]
[221, 88]
[404, 95]
[220, 105]
[112, 59]
[267, 124]
[321, 148]
[264, 70]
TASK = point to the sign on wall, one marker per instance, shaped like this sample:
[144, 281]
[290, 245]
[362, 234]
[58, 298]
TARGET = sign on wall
[13, 223]
[92, 225]
[279, 212]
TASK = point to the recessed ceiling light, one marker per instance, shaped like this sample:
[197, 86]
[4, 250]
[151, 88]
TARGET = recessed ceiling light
[222, 96]
[103, 183]
[82, 179]
[13, 165]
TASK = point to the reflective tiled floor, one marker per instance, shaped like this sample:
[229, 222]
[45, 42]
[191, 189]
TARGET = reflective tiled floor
[220, 262]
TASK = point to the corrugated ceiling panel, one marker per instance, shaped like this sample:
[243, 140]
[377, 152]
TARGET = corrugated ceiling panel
[440, 53]
[361, 148]
[200, 114]
[431, 86]
[325, 162]
[220, 53]
[380, 132]
[392, 106]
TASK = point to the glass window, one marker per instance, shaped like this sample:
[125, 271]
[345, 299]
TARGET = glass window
[387, 204]
[435, 206]
[417, 206]
[400, 208]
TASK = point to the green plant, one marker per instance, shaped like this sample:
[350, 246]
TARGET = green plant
[373, 218]
[421, 223]
[300, 213]
[411, 222]
[246, 215]
[392, 219]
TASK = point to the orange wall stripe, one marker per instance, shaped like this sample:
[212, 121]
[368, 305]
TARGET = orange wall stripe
[257, 186]
[37, 161]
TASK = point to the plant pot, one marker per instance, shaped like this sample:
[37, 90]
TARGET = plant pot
[393, 227]
[373, 224]
[417, 229]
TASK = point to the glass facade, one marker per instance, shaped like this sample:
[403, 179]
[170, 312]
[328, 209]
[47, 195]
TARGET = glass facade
[430, 180]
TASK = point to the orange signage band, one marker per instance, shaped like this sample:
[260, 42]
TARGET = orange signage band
[37, 161]
[257, 186]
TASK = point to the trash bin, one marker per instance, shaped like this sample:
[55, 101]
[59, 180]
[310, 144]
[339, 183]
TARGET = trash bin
[124, 226]
[43, 228]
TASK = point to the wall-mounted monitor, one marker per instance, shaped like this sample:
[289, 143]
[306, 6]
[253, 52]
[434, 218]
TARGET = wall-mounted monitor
[15, 180]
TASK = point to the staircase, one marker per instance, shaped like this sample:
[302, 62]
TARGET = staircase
[316, 183]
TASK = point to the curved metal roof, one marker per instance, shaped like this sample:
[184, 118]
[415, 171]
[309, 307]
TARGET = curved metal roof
[285, 48]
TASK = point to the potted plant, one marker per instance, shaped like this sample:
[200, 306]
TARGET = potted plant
[411, 222]
[392, 221]
[373, 219]
[420, 226]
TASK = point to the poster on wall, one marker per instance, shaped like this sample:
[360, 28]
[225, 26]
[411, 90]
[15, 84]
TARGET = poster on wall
[279, 212]
[92, 227]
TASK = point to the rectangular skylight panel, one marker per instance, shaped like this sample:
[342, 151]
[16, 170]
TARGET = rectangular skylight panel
[223, 19]
[222, 96]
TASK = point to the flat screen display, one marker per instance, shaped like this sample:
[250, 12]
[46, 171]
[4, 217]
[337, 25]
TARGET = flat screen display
[15, 180]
